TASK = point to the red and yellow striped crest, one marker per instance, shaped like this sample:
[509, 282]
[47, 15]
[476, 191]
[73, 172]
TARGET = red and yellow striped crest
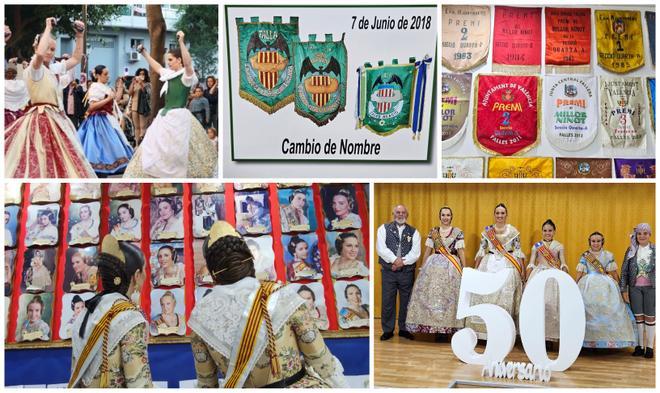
[268, 79]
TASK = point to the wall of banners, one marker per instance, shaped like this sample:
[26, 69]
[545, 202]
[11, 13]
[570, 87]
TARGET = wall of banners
[313, 235]
[548, 91]
[330, 83]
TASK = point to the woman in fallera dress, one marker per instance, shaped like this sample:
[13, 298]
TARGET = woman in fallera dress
[434, 299]
[500, 249]
[609, 323]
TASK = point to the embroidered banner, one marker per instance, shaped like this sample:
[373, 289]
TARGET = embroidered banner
[517, 40]
[650, 88]
[520, 167]
[619, 41]
[465, 36]
[463, 168]
[455, 107]
[320, 75]
[650, 24]
[266, 61]
[589, 168]
[634, 168]
[507, 115]
[622, 112]
[571, 111]
[568, 40]
[391, 97]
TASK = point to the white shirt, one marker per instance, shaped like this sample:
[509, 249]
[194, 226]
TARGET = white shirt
[387, 254]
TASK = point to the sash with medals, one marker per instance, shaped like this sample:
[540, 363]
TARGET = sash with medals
[266, 75]
[650, 88]
[594, 262]
[619, 41]
[547, 255]
[320, 78]
[506, 113]
[622, 112]
[441, 249]
[465, 36]
[593, 168]
[568, 40]
[455, 107]
[520, 167]
[650, 23]
[634, 168]
[571, 111]
[490, 234]
[462, 168]
[517, 40]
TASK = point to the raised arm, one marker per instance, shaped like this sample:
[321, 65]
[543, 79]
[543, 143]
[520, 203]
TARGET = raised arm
[185, 55]
[44, 43]
[152, 63]
[77, 55]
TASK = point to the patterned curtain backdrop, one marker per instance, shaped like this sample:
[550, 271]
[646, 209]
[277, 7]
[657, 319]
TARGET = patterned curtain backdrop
[576, 209]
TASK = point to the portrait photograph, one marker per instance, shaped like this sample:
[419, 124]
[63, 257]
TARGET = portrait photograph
[38, 269]
[261, 248]
[11, 225]
[81, 271]
[124, 190]
[168, 312]
[252, 212]
[208, 188]
[125, 222]
[352, 298]
[13, 193]
[10, 264]
[315, 302]
[159, 189]
[207, 209]
[166, 261]
[166, 218]
[84, 191]
[302, 257]
[297, 210]
[347, 254]
[202, 275]
[41, 225]
[45, 192]
[73, 305]
[340, 207]
[34, 316]
[250, 186]
[84, 223]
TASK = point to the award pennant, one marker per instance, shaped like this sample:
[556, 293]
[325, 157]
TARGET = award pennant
[517, 40]
[455, 107]
[650, 24]
[320, 75]
[622, 112]
[583, 168]
[506, 113]
[463, 168]
[265, 49]
[391, 97]
[520, 167]
[568, 40]
[465, 36]
[619, 41]
[650, 88]
[634, 168]
[571, 111]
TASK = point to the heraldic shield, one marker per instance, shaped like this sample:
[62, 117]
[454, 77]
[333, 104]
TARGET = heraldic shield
[266, 61]
[391, 97]
[320, 74]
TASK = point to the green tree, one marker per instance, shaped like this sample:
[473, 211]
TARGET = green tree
[26, 21]
[200, 23]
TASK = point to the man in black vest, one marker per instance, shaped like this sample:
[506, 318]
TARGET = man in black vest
[398, 246]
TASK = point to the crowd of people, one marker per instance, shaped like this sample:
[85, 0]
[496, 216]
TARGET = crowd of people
[60, 126]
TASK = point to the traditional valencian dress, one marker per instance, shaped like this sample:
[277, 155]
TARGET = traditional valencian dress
[103, 140]
[546, 256]
[432, 307]
[498, 252]
[117, 365]
[175, 144]
[609, 322]
[43, 143]
[300, 358]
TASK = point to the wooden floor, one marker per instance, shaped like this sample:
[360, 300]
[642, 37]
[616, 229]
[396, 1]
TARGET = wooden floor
[423, 363]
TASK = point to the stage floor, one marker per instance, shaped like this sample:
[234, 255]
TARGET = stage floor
[423, 363]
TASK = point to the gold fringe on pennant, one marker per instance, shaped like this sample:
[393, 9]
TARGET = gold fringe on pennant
[265, 107]
[320, 123]
[570, 69]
